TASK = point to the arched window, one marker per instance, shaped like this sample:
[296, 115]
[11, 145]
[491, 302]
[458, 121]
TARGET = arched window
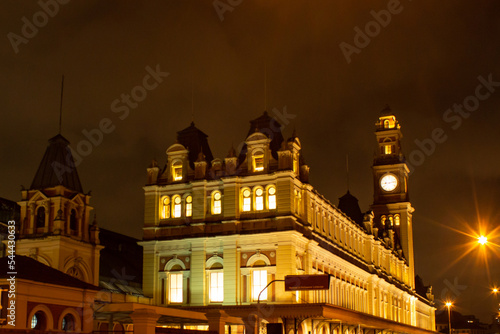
[247, 200]
[68, 323]
[177, 170]
[271, 197]
[189, 206]
[259, 199]
[258, 161]
[175, 287]
[40, 217]
[73, 224]
[216, 203]
[165, 208]
[176, 209]
[387, 149]
[75, 272]
[39, 321]
[382, 220]
[216, 279]
[397, 220]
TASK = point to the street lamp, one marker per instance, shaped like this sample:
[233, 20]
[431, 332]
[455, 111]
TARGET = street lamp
[482, 240]
[448, 305]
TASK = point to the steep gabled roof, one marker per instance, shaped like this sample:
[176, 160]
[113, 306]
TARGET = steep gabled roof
[57, 167]
[195, 141]
[348, 204]
[31, 269]
[271, 128]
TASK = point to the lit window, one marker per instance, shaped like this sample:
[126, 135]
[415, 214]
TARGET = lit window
[189, 206]
[382, 220]
[259, 282]
[176, 212]
[34, 321]
[258, 162]
[387, 149]
[216, 203]
[175, 288]
[177, 170]
[259, 199]
[247, 202]
[271, 198]
[217, 286]
[165, 208]
[396, 220]
[68, 323]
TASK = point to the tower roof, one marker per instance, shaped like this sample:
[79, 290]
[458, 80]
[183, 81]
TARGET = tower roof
[348, 204]
[195, 141]
[271, 128]
[57, 167]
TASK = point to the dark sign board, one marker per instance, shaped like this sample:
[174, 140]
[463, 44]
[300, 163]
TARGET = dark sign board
[307, 282]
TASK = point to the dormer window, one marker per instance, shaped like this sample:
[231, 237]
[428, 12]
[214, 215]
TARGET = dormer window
[258, 161]
[40, 217]
[73, 223]
[177, 170]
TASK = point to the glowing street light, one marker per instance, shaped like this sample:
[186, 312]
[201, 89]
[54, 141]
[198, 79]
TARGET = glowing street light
[449, 305]
[482, 240]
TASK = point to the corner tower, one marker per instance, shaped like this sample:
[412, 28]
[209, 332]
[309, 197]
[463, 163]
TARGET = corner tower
[391, 204]
[55, 224]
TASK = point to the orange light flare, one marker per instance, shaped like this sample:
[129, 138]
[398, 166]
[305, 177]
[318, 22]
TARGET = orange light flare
[477, 241]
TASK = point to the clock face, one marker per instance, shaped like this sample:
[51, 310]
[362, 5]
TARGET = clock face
[389, 182]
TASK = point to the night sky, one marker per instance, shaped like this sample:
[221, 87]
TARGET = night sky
[330, 66]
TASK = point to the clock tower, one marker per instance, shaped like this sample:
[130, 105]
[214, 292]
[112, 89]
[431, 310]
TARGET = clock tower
[391, 204]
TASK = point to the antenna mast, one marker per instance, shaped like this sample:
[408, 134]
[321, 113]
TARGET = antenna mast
[61, 104]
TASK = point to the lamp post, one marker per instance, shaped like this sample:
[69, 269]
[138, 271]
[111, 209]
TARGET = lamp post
[448, 305]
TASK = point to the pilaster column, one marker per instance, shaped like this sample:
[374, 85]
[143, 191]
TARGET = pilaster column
[144, 321]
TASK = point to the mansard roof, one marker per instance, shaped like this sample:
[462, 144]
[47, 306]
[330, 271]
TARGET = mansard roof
[57, 167]
[348, 204]
[195, 141]
[271, 128]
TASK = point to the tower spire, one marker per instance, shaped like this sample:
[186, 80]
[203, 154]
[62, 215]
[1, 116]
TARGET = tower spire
[61, 104]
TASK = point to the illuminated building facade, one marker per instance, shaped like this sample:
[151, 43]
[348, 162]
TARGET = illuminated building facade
[217, 231]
